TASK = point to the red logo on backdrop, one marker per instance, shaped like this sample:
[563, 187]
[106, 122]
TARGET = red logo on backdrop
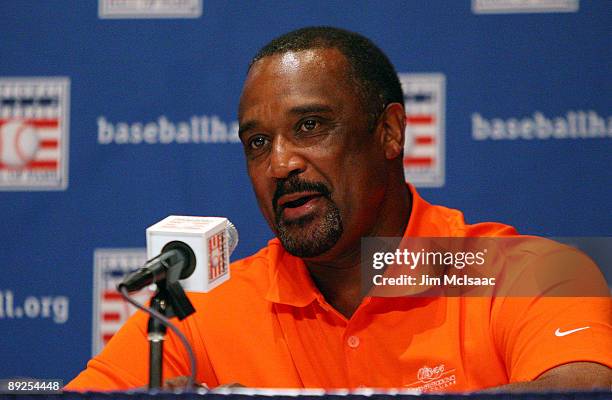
[424, 150]
[110, 310]
[34, 133]
[216, 262]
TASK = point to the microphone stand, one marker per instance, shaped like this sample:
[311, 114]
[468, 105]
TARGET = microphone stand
[156, 334]
[169, 300]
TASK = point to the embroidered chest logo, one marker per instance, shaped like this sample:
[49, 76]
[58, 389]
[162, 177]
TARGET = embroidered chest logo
[433, 378]
[427, 374]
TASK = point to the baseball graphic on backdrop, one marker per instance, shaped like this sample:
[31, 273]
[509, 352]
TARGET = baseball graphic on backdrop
[18, 143]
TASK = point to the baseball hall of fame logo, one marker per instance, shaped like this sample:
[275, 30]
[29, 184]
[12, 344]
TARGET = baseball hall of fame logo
[110, 311]
[34, 115]
[524, 6]
[424, 151]
[149, 8]
[217, 248]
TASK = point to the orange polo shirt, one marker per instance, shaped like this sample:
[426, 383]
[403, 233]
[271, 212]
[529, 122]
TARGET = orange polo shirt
[269, 326]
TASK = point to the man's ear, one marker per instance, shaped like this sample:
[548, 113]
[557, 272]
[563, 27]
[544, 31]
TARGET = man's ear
[392, 126]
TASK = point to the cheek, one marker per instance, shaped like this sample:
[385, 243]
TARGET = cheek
[261, 191]
[345, 168]
[363, 181]
[264, 193]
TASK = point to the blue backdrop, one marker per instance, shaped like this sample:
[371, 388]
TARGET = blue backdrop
[115, 123]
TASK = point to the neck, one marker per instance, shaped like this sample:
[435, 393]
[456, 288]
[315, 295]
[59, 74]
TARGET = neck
[339, 279]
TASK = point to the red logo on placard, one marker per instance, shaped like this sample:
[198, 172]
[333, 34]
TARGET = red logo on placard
[217, 265]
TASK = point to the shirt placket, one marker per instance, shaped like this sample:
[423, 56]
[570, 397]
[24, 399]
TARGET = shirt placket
[355, 345]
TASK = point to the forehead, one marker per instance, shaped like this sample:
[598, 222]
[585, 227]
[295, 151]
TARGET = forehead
[313, 75]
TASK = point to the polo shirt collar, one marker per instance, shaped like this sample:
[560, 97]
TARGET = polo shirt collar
[290, 282]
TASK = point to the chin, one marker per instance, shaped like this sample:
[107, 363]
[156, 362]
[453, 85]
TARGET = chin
[309, 236]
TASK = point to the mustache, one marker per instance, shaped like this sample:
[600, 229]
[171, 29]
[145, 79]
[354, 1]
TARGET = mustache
[294, 184]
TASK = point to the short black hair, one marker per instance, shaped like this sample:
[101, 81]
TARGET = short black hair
[372, 72]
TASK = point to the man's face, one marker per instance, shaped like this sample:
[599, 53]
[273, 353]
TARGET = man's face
[318, 174]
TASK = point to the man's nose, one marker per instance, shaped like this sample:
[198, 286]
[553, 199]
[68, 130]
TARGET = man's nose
[284, 158]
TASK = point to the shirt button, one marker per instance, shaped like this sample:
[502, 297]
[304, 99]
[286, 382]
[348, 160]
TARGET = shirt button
[353, 342]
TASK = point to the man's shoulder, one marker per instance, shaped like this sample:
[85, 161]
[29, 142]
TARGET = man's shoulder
[260, 259]
[436, 220]
[249, 279]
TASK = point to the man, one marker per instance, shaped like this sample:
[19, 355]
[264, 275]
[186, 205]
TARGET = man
[322, 124]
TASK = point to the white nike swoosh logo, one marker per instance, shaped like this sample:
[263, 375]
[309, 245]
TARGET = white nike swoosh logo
[561, 334]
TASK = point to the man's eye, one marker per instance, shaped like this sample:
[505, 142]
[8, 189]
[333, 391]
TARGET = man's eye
[309, 125]
[257, 142]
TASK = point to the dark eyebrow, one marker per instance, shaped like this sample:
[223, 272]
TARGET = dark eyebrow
[299, 110]
[311, 108]
[246, 126]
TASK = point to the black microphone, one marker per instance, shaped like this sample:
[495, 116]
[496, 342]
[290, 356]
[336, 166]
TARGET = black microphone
[175, 254]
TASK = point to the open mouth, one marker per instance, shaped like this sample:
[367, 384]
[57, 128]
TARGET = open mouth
[297, 205]
[299, 202]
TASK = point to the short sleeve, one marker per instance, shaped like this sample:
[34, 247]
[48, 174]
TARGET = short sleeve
[537, 333]
[124, 361]
[547, 332]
